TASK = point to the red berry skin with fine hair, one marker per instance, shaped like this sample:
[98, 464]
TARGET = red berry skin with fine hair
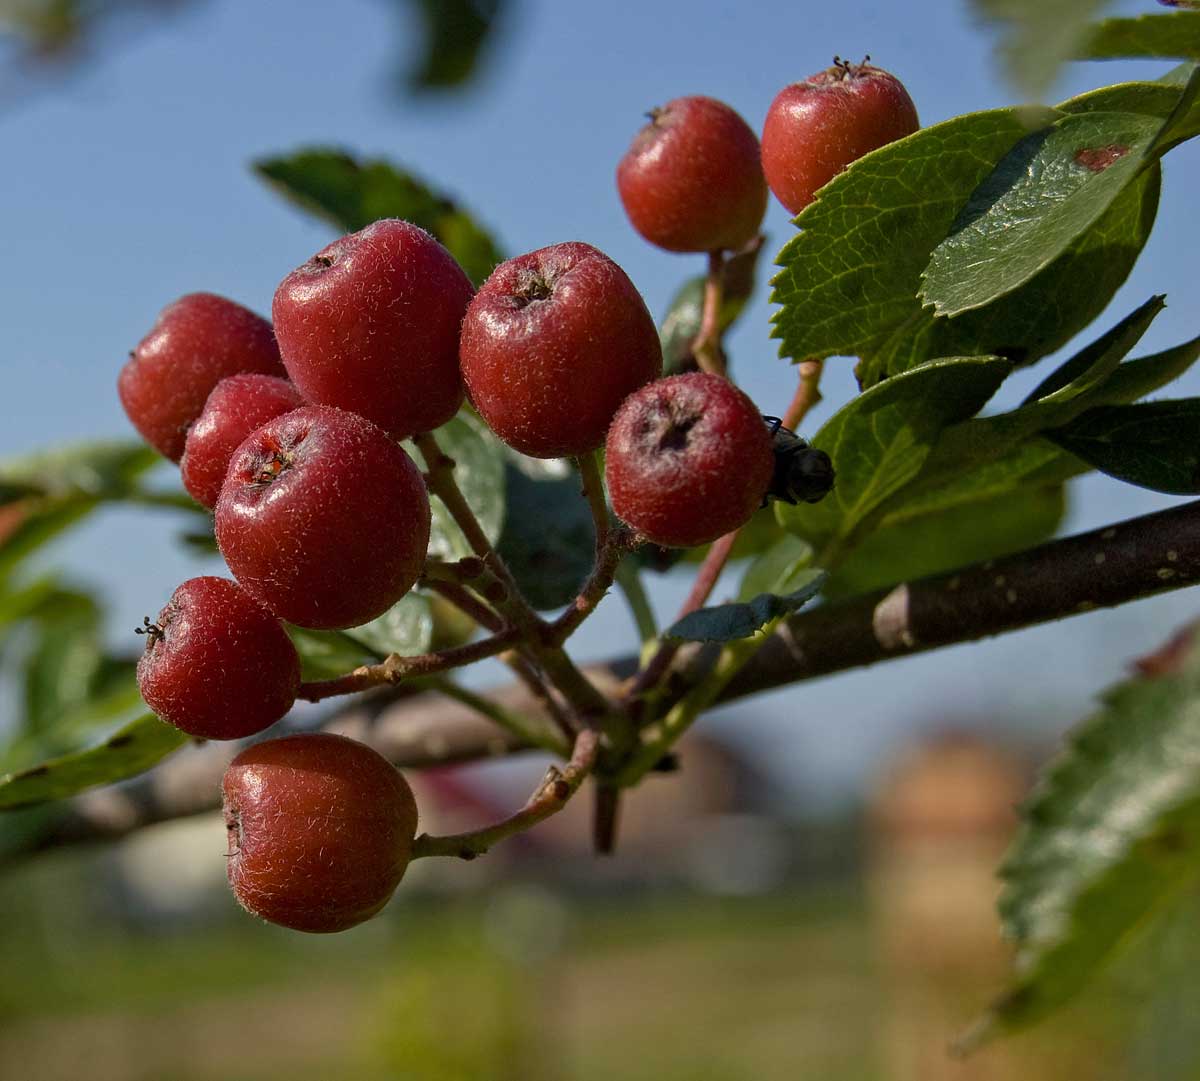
[370, 324]
[218, 665]
[552, 344]
[323, 518]
[688, 459]
[692, 179]
[196, 342]
[815, 128]
[234, 409]
[320, 831]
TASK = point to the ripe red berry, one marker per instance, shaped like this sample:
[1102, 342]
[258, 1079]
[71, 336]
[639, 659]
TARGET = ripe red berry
[692, 180]
[552, 344]
[370, 324]
[323, 518]
[688, 459]
[320, 830]
[196, 342]
[234, 409]
[217, 664]
[817, 127]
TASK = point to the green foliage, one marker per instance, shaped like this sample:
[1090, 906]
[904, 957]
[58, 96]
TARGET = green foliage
[405, 628]
[1153, 444]
[779, 569]
[457, 33]
[131, 750]
[548, 537]
[328, 654]
[352, 192]
[880, 440]
[1174, 36]
[1109, 838]
[744, 619]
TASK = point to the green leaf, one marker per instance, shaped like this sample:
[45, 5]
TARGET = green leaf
[682, 322]
[548, 537]
[479, 470]
[131, 750]
[405, 628]
[912, 546]
[1153, 445]
[329, 654]
[880, 440]
[850, 279]
[457, 33]
[1175, 36]
[1047, 191]
[780, 569]
[351, 193]
[744, 619]
[1109, 838]
[1076, 386]
[1038, 36]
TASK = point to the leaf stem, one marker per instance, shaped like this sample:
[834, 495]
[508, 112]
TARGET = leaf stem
[593, 492]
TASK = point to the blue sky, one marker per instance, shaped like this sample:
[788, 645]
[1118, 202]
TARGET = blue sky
[127, 184]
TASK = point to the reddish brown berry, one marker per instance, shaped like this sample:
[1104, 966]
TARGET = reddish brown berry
[370, 324]
[320, 831]
[217, 664]
[195, 343]
[552, 344]
[692, 179]
[323, 518]
[234, 409]
[688, 459]
[817, 127]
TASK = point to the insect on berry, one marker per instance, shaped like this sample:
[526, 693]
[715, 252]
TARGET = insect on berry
[802, 473]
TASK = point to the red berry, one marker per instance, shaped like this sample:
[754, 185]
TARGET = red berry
[817, 127]
[692, 179]
[234, 409]
[320, 831]
[217, 664]
[323, 518]
[688, 459]
[370, 324]
[196, 342]
[552, 344]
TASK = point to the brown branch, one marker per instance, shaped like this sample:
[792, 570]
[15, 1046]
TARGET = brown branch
[1106, 567]
[620, 540]
[396, 668]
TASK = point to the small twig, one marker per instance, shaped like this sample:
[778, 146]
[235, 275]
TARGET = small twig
[557, 787]
[707, 346]
[618, 542]
[527, 672]
[462, 570]
[466, 602]
[395, 669]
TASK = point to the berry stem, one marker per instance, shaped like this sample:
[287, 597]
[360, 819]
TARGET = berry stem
[707, 346]
[466, 602]
[555, 790]
[630, 583]
[619, 541]
[593, 492]
[396, 669]
[519, 725]
[808, 393]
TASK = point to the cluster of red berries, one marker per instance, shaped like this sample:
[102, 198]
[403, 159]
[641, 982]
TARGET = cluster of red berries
[290, 433]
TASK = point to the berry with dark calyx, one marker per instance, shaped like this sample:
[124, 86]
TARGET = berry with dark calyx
[320, 831]
[234, 409]
[817, 127]
[802, 474]
[196, 342]
[370, 324]
[692, 180]
[323, 518]
[552, 344]
[688, 460]
[217, 664]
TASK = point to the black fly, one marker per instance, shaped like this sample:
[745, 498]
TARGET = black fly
[802, 474]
